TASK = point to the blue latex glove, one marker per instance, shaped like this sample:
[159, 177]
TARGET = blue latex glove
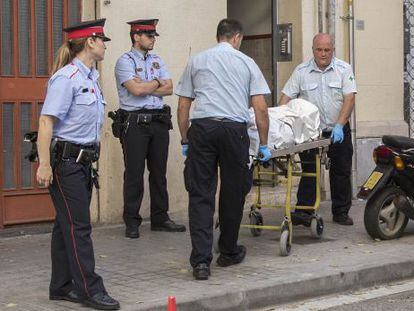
[184, 149]
[264, 153]
[337, 134]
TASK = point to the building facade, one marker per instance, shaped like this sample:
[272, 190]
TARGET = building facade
[31, 33]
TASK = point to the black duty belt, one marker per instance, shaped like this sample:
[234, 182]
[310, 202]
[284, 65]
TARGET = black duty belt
[146, 116]
[82, 153]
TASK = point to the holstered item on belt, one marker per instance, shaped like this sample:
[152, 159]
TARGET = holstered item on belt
[118, 124]
[83, 154]
[31, 137]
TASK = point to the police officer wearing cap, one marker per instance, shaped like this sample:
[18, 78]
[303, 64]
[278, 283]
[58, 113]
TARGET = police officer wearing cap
[142, 81]
[328, 83]
[68, 143]
[223, 82]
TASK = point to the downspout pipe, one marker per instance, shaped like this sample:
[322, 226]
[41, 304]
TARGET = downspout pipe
[331, 18]
[353, 115]
[275, 47]
[320, 16]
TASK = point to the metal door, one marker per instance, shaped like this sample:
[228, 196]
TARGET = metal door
[30, 34]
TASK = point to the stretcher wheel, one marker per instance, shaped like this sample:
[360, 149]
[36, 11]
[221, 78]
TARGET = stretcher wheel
[256, 219]
[285, 243]
[316, 227]
[216, 237]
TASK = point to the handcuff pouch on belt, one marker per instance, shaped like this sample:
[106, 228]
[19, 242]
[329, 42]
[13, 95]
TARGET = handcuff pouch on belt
[145, 117]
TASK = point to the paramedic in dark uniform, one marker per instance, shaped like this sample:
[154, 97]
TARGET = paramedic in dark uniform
[142, 81]
[69, 125]
[223, 82]
[328, 83]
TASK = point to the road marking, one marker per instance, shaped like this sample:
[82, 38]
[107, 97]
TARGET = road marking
[323, 303]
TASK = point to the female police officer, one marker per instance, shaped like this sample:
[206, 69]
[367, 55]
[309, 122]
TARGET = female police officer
[68, 143]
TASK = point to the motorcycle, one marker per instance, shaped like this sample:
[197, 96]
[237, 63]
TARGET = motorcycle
[389, 190]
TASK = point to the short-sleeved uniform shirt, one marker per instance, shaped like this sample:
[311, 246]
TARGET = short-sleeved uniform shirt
[221, 80]
[134, 64]
[75, 98]
[325, 89]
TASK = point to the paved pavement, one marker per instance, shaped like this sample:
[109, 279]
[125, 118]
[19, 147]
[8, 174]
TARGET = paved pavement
[142, 273]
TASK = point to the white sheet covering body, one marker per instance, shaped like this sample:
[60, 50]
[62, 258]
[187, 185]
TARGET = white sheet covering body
[294, 123]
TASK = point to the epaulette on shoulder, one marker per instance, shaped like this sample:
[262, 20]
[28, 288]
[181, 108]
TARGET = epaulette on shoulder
[70, 70]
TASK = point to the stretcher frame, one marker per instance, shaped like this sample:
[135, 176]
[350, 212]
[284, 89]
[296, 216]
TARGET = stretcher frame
[283, 164]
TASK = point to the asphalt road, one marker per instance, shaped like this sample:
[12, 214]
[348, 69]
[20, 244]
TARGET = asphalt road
[395, 296]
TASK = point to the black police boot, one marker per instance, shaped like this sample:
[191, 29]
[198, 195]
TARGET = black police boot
[132, 232]
[71, 296]
[102, 301]
[201, 272]
[226, 260]
[168, 226]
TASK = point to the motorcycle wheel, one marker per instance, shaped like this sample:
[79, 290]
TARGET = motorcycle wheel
[382, 219]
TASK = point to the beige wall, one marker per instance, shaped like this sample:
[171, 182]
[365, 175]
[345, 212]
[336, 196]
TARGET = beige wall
[184, 30]
[379, 60]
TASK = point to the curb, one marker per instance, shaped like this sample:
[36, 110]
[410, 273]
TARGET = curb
[280, 293]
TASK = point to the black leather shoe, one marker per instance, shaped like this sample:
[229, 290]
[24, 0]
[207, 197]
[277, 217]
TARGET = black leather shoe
[102, 301]
[132, 233]
[72, 296]
[343, 219]
[201, 272]
[168, 226]
[225, 260]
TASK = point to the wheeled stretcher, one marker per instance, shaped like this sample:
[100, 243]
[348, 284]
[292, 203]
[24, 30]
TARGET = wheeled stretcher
[283, 163]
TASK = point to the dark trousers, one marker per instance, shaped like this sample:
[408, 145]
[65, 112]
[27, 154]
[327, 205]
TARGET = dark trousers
[143, 143]
[214, 144]
[340, 155]
[73, 262]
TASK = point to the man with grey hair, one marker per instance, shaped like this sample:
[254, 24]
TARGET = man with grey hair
[328, 83]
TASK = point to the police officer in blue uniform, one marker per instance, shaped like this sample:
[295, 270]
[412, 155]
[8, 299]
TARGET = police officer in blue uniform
[142, 81]
[68, 143]
[223, 82]
[328, 83]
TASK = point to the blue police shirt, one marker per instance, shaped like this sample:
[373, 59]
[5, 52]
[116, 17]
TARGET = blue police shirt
[134, 64]
[75, 98]
[221, 80]
[325, 89]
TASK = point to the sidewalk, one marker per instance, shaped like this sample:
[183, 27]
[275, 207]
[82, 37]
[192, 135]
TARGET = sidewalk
[142, 273]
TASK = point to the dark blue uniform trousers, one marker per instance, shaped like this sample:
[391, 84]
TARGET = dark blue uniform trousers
[147, 143]
[214, 144]
[73, 262]
[340, 170]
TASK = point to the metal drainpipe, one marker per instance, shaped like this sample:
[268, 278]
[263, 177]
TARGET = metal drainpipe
[331, 18]
[98, 197]
[320, 16]
[353, 115]
[274, 50]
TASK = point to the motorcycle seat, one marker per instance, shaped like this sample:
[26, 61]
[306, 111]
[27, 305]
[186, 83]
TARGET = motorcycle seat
[400, 142]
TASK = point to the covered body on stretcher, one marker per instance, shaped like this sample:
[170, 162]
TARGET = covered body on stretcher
[293, 128]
